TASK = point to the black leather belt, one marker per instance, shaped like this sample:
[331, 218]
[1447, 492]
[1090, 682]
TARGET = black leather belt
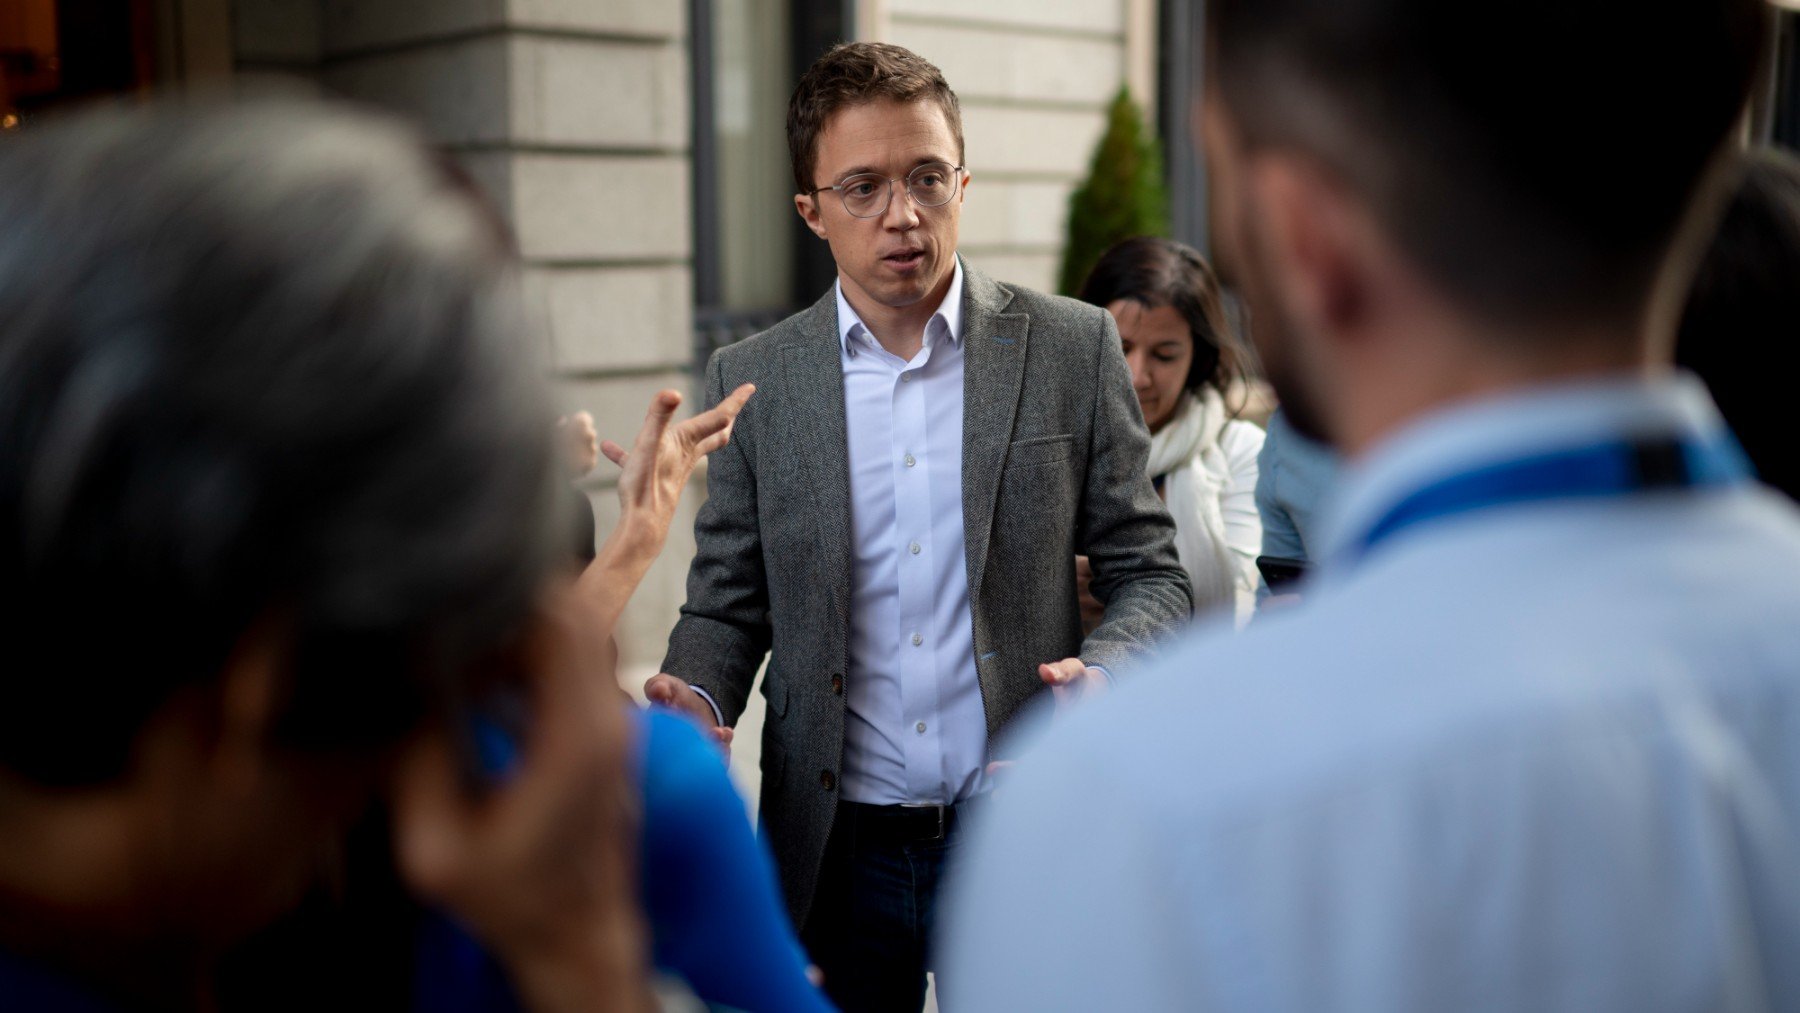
[901, 823]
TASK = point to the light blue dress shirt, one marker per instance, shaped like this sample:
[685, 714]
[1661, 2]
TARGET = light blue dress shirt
[914, 727]
[1537, 757]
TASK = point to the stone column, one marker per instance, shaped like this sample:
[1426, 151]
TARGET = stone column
[573, 115]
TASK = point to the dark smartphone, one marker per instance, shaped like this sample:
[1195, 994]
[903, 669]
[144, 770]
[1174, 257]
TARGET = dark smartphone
[1280, 574]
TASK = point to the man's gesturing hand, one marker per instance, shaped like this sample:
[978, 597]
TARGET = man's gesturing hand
[1071, 680]
[665, 690]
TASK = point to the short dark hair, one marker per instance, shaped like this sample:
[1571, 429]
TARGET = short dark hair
[259, 363]
[1743, 315]
[1537, 162]
[852, 73]
[1161, 272]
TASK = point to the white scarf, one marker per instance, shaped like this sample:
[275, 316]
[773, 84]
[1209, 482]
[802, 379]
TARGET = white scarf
[1186, 450]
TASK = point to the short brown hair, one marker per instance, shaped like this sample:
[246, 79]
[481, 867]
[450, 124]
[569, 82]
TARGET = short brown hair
[851, 73]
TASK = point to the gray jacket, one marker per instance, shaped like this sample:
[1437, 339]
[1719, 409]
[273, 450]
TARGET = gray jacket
[1054, 447]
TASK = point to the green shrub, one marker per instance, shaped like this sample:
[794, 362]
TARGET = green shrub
[1124, 194]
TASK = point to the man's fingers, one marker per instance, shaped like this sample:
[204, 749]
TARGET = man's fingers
[1061, 673]
[725, 734]
[666, 690]
[661, 689]
[614, 453]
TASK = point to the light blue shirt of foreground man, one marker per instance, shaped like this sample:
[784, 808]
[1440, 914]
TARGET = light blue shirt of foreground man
[1532, 740]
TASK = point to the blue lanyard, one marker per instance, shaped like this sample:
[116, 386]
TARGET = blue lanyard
[1616, 468]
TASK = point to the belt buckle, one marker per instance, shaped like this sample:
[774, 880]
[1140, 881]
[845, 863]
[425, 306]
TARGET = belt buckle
[941, 819]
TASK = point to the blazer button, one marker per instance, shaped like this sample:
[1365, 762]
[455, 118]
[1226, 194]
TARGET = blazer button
[826, 780]
[837, 685]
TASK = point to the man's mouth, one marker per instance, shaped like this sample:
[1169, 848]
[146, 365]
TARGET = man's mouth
[905, 258]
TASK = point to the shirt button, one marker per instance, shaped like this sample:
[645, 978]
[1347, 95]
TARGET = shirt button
[827, 780]
[910, 461]
[920, 728]
[917, 640]
[905, 377]
[914, 548]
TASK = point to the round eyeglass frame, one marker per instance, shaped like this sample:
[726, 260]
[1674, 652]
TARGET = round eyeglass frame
[956, 175]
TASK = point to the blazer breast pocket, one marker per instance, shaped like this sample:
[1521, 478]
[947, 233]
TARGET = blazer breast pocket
[1039, 450]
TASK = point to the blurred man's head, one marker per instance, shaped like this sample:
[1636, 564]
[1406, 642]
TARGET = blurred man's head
[272, 449]
[1527, 174]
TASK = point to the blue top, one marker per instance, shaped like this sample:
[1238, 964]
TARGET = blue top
[716, 917]
[708, 889]
[1294, 479]
[25, 986]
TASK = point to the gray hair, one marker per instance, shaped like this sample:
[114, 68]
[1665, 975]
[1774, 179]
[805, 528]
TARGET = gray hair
[258, 362]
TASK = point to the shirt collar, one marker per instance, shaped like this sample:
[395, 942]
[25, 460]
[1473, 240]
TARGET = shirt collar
[948, 317]
[1508, 427]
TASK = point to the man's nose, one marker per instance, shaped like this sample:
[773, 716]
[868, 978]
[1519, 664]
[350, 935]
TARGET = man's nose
[901, 214]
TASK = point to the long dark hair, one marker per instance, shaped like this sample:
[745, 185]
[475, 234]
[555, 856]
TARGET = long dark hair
[1157, 272]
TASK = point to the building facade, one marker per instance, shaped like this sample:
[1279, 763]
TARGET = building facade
[637, 147]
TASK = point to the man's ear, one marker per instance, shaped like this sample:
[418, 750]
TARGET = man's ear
[1317, 240]
[808, 207]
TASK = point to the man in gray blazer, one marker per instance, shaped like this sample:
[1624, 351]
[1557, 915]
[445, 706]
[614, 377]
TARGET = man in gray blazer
[895, 524]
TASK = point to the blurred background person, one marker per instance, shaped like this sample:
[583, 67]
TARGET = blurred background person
[1295, 477]
[1528, 744]
[1184, 359]
[276, 513]
[1743, 316]
[581, 449]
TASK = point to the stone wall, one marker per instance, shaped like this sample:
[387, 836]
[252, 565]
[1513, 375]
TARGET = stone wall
[573, 116]
[1034, 78]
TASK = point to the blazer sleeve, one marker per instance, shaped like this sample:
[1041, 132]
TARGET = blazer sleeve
[1130, 539]
[723, 633]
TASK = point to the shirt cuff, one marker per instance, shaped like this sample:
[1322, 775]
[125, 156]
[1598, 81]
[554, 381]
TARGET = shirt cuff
[1108, 676]
[718, 716]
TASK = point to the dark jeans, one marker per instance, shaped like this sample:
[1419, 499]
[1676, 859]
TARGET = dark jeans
[870, 929]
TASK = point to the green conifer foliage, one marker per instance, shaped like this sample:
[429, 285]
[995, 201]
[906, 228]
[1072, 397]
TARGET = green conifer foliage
[1124, 194]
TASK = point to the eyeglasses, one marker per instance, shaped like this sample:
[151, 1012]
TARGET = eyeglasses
[867, 195]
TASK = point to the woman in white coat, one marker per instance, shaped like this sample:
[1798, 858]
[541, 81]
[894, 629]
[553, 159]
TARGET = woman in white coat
[1202, 458]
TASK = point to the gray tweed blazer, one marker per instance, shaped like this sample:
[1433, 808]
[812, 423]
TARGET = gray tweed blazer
[1054, 450]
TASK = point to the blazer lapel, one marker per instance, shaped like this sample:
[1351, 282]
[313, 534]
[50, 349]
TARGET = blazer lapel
[993, 372]
[812, 428]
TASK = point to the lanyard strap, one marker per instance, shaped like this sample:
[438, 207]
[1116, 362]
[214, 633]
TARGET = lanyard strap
[1616, 468]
